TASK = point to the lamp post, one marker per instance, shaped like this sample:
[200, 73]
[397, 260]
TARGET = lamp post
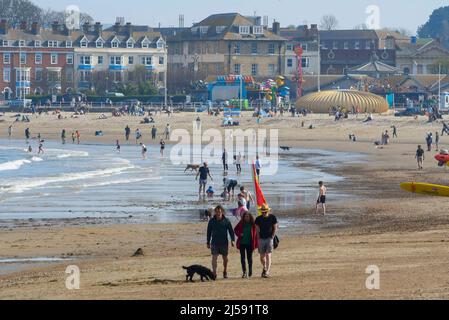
[319, 62]
[439, 86]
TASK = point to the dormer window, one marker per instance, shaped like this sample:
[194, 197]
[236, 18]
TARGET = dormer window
[130, 43]
[244, 30]
[37, 43]
[21, 43]
[52, 44]
[204, 30]
[258, 30]
[68, 44]
[115, 43]
[84, 43]
[99, 43]
[160, 44]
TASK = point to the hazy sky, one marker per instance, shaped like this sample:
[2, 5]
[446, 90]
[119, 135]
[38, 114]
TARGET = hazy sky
[407, 14]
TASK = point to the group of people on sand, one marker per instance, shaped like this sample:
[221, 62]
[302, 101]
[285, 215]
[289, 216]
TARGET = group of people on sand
[249, 235]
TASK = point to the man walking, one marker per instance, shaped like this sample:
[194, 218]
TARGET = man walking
[224, 158]
[127, 133]
[153, 132]
[420, 157]
[321, 197]
[217, 239]
[266, 225]
[258, 166]
[10, 131]
[167, 132]
[204, 174]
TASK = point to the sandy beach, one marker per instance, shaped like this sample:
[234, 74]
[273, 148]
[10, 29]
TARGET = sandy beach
[405, 235]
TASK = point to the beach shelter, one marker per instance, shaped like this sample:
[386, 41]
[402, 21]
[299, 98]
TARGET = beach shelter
[260, 197]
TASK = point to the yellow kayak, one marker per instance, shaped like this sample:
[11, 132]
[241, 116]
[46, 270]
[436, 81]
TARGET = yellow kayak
[426, 189]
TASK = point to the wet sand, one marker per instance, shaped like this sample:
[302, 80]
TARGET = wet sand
[404, 234]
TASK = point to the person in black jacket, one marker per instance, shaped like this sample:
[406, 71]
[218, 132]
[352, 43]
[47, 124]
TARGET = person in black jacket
[217, 239]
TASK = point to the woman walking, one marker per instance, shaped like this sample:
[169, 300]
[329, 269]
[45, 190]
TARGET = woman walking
[247, 242]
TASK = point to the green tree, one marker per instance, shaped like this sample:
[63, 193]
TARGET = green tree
[437, 26]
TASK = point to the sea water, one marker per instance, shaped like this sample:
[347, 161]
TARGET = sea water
[95, 181]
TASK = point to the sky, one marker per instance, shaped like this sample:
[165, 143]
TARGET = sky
[408, 14]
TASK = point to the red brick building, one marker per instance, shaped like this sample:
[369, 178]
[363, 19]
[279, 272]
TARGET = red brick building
[35, 60]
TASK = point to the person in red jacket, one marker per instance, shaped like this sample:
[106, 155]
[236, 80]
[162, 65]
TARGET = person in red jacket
[247, 242]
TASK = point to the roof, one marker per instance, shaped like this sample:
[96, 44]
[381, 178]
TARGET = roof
[301, 32]
[223, 27]
[414, 49]
[348, 35]
[225, 19]
[375, 66]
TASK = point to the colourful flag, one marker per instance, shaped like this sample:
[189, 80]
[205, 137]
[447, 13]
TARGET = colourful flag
[260, 198]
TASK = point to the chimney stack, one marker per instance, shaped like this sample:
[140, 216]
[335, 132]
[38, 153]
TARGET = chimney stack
[98, 28]
[35, 28]
[129, 29]
[276, 28]
[86, 27]
[4, 26]
[55, 26]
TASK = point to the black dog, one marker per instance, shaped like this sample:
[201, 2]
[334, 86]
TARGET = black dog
[203, 272]
[285, 148]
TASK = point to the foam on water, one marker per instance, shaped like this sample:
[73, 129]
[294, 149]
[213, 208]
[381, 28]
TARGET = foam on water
[13, 165]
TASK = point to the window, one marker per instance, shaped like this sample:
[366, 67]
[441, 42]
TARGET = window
[53, 76]
[357, 45]
[271, 48]
[117, 76]
[37, 43]
[115, 43]
[99, 43]
[52, 44]
[254, 69]
[204, 30]
[304, 47]
[258, 30]
[86, 76]
[305, 63]
[38, 75]
[130, 43]
[68, 44]
[21, 43]
[85, 60]
[6, 58]
[290, 63]
[237, 68]
[244, 29]
[160, 44]
[100, 59]
[84, 43]
[368, 45]
[254, 48]
[289, 47]
[54, 58]
[237, 48]
[38, 58]
[6, 74]
[271, 69]
[23, 58]
[22, 75]
[145, 43]
[220, 29]
[131, 60]
[161, 60]
[335, 45]
[346, 45]
[69, 59]
[116, 60]
[5, 43]
[147, 61]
